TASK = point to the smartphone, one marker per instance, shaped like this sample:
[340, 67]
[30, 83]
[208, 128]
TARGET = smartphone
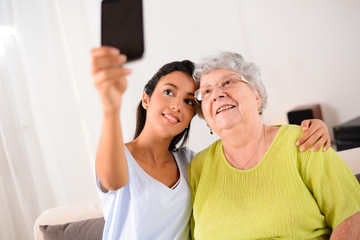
[122, 26]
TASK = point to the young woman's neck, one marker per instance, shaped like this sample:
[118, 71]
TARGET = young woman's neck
[150, 146]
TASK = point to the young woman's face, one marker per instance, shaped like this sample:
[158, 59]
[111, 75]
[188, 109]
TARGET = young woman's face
[225, 109]
[172, 104]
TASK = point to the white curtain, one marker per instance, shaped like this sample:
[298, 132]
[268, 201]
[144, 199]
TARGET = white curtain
[47, 108]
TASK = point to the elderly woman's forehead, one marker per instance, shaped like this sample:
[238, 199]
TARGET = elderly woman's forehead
[217, 74]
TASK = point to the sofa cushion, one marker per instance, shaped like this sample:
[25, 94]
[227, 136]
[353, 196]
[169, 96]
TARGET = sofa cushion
[91, 229]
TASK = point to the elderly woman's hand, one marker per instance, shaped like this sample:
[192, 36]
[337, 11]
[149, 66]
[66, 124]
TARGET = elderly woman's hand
[315, 132]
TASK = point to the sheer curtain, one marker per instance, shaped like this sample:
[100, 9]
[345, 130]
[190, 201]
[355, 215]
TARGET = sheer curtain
[47, 108]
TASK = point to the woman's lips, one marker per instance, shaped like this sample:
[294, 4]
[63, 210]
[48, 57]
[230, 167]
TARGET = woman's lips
[223, 108]
[171, 118]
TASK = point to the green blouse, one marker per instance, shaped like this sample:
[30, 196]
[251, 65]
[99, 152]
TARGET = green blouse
[289, 194]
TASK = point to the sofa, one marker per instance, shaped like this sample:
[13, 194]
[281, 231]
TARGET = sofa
[85, 218]
[70, 221]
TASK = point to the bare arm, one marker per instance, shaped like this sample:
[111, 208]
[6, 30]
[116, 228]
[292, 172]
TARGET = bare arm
[315, 132]
[348, 229]
[110, 81]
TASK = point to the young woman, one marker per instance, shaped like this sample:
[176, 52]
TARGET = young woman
[144, 183]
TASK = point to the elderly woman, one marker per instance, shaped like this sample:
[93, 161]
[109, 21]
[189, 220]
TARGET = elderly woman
[254, 183]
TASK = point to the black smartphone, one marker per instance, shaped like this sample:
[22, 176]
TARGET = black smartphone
[122, 26]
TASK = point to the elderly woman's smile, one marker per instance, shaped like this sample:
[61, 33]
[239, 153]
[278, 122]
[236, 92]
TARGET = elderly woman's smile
[223, 108]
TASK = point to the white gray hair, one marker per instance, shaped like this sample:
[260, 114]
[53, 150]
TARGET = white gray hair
[234, 62]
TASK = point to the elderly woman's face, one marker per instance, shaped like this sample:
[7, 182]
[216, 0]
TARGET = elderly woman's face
[225, 108]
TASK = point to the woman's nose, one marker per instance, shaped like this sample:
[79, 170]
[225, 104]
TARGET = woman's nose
[217, 92]
[175, 105]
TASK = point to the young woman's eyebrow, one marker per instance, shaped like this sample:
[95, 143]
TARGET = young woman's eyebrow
[176, 87]
[172, 85]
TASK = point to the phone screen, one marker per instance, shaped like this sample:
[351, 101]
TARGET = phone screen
[122, 26]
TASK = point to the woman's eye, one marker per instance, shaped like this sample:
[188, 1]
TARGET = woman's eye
[206, 92]
[228, 82]
[168, 92]
[189, 102]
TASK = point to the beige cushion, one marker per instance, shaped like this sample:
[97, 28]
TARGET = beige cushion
[351, 158]
[68, 213]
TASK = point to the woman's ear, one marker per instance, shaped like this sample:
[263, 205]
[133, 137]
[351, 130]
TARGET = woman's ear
[145, 100]
[258, 98]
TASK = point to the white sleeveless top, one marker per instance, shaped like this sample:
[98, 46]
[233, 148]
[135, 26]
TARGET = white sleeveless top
[146, 208]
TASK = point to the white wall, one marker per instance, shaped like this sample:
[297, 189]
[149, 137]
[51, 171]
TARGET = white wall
[308, 51]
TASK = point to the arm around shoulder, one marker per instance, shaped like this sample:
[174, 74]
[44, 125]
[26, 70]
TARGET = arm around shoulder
[316, 134]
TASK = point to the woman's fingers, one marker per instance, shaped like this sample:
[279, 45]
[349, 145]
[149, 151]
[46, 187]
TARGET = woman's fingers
[317, 137]
[306, 135]
[110, 75]
[107, 65]
[104, 51]
[308, 139]
[322, 141]
[108, 72]
[316, 134]
[305, 125]
[106, 57]
[327, 145]
[108, 62]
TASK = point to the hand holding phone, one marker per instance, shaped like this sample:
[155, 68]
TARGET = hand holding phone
[122, 27]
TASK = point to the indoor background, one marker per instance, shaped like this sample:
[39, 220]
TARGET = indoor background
[50, 112]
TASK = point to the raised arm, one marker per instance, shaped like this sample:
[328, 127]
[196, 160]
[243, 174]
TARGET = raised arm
[110, 81]
[315, 132]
